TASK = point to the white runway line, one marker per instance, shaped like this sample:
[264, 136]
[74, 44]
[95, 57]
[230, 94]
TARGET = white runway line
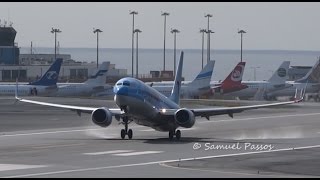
[47, 132]
[138, 153]
[108, 152]
[8, 167]
[154, 162]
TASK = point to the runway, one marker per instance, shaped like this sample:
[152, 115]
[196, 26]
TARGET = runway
[37, 141]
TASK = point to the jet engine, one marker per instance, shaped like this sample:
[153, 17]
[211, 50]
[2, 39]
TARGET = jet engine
[101, 117]
[184, 118]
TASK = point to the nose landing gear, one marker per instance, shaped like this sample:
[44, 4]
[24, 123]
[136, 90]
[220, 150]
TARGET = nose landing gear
[126, 131]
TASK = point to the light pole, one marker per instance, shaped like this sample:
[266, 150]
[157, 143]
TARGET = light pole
[55, 31]
[133, 13]
[254, 71]
[174, 31]
[209, 32]
[97, 31]
[208, 40]
[165, 14]
[241, 32]
[202, 31]
[137, 63]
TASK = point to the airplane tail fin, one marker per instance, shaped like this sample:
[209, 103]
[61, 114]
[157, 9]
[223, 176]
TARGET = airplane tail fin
[313, 76]
[280, 76]
[234, 79]
[175, 93]
[100, 76]
[50, 78]
[204, 77]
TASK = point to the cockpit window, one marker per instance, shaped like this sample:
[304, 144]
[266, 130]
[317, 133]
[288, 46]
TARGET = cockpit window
[119, 84]
[126, 83]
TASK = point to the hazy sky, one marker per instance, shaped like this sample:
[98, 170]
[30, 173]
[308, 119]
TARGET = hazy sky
[284, 26]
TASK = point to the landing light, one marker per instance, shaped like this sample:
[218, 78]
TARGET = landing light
[164, 110]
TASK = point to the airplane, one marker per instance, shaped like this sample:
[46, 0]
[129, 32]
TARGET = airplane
[95, 84]
[311, 82]
[142, 104]
[257, 89]
[193, 89]
[44, 86]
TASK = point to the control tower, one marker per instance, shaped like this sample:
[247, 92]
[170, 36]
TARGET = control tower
[9, 52]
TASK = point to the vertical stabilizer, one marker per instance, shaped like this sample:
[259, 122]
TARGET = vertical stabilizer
[50, 78]
[233, 81]
[204, 77]
[175, 93]
[100, 76]
[280, 76]
[313, 76]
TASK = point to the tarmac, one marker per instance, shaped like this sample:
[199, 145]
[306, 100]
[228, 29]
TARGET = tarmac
[38, 141]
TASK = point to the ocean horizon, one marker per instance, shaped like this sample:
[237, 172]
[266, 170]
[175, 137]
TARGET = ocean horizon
[264, 62]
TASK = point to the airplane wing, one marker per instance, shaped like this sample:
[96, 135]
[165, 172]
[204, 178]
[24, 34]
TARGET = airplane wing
[207, 112]
[78, 109]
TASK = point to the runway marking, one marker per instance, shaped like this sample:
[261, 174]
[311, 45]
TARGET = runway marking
[9, 167]
[261, 117]
[149, 130]
[108, 152]
[137, 153]
[53, 146]
[155, 162]
[231, 172]
[47, 132]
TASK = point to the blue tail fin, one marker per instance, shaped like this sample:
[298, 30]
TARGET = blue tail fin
[50, 78]
[175, 93]
[204, 77]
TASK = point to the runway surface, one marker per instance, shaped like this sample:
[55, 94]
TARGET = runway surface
[37, 141]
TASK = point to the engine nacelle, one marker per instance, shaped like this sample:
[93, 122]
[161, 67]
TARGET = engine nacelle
[184, 118]
[101, 117]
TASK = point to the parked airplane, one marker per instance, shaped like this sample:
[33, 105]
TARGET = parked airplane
[311, 83]
[95, 84]
[44, 86]
[194, 89]
[276, 82]
[146, 106]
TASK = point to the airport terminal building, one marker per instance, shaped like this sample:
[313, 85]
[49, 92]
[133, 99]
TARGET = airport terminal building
[29, 67]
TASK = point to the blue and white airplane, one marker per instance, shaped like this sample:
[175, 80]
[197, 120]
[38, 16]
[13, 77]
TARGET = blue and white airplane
[44, 86]
[146, 106]
[95, 84]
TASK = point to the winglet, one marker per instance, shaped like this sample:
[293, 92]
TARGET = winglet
[16, 91]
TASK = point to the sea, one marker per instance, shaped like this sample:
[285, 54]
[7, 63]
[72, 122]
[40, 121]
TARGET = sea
[260, 64]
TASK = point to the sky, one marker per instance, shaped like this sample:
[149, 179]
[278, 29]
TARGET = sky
[269, 26]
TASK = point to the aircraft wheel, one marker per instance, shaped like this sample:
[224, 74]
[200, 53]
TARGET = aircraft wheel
[171, 135]
[130, 133]
[178, 134]
[123, 133]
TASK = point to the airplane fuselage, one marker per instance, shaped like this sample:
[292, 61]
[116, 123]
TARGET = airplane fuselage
[143, 104]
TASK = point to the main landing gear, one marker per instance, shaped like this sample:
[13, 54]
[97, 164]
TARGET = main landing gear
[126, 131]
[176, 133]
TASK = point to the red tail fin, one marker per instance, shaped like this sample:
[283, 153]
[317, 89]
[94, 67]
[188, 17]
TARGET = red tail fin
[233, 81]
